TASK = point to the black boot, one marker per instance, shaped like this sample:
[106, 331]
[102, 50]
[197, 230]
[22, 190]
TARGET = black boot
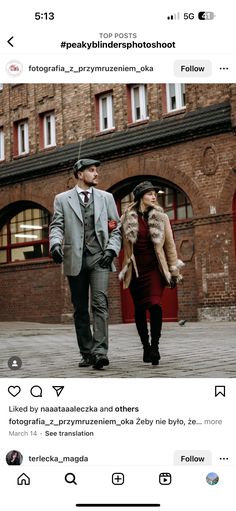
[155, 354]
[146, 351]
[141, 325]
[156, 326]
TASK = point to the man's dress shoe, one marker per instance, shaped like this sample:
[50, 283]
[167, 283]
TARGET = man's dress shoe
[85, 362]
[100, 361]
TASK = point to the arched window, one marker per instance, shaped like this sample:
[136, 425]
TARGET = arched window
[174, 202]
[25, 236]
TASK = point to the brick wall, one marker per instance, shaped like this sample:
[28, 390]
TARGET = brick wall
[187, 291]
[215, 269]
[74, 106]
[30, 292]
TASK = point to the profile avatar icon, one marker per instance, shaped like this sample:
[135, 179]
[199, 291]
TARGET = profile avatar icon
[212, 478]
[14, 458]
[14, 363]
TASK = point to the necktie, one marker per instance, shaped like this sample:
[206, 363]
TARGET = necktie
[86, 197]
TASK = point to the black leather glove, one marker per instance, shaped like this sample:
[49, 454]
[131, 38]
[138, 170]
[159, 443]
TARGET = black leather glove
[107, 258]
[57, 254]
[173, 281]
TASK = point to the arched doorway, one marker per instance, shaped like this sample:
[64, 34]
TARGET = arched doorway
[178, 207]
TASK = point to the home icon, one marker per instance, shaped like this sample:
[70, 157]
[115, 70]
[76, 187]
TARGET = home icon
[23, 479]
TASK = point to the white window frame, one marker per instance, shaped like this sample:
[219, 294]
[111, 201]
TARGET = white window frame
[2, 145]
[110, 115]
[178, 96]
[46, 142]
[23, 148]
[143, 103]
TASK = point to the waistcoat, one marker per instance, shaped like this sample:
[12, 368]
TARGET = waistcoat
[90, 239]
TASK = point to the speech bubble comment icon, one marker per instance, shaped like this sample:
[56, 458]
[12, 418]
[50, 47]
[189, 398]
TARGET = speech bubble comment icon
[36, 391]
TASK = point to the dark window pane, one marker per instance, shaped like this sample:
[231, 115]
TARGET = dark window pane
[3, 256]
[181, 199]
[170, 213]
[3, 236]
[169, 197]
[30, 252]
[160, 199]
[189, 211]
[181, 212]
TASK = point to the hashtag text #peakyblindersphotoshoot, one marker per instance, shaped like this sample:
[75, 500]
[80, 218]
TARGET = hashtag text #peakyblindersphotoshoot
[115, 45]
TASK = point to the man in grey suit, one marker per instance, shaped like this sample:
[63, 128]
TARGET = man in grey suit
[85, 234]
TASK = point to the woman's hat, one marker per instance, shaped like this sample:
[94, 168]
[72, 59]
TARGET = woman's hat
[142, 188]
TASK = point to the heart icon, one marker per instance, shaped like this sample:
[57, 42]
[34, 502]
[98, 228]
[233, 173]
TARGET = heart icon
[14, 391]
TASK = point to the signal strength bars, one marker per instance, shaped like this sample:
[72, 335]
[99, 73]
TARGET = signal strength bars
[175, 16]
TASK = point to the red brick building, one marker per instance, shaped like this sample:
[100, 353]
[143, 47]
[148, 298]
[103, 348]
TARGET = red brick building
[180, 137]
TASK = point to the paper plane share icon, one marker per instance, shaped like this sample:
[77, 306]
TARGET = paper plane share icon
[58, 389]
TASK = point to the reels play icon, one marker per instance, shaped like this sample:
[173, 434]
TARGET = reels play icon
[165, 478]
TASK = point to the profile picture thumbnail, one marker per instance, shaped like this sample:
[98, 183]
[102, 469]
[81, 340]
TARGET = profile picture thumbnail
[212, 478]
[14, 458]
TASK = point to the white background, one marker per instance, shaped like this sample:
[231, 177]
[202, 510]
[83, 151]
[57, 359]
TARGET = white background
[141, 452]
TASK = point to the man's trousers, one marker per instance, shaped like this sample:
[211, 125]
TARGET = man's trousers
[95, 278]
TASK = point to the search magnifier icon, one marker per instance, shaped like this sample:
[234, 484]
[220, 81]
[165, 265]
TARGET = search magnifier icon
[70, 478]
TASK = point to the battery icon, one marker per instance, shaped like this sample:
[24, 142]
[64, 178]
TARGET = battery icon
[206, 15]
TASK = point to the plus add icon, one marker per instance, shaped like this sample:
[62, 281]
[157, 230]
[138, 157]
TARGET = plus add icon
[118, 478]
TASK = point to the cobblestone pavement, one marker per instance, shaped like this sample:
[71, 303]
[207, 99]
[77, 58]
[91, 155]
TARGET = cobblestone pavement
[204, 349]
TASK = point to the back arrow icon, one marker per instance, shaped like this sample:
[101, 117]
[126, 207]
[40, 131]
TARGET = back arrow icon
[9, 41]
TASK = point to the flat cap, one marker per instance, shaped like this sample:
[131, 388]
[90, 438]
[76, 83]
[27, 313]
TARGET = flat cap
[80, 165]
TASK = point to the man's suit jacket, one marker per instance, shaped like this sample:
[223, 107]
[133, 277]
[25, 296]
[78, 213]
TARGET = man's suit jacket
[67, 226]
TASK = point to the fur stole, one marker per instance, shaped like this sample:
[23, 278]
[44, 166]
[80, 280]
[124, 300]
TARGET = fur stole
[155, 222]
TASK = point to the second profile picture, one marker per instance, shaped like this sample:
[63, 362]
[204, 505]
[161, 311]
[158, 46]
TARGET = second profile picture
[14, 458]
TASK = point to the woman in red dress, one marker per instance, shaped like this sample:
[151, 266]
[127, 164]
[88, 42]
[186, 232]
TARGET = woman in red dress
[150, 263]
